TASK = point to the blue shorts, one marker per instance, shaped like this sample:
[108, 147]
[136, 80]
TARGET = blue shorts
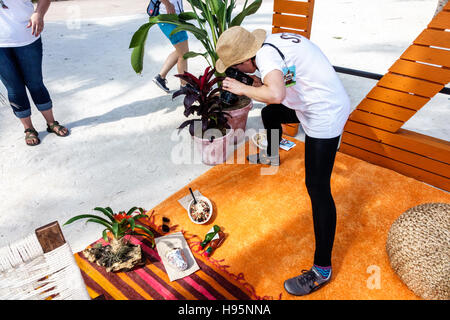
[178, 37]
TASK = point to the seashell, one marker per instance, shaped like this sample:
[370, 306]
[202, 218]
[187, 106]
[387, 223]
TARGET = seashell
[176, 259]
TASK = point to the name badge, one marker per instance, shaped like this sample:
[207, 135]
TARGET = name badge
[289, 76]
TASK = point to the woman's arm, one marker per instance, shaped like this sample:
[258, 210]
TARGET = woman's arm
[169, 6]
[37, 18]
[272, 91]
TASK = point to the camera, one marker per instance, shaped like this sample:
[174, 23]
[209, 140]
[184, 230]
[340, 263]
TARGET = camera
[230, 98]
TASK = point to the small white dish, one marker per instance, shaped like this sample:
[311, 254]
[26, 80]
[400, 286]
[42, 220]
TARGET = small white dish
[198, 198]
[260, 140]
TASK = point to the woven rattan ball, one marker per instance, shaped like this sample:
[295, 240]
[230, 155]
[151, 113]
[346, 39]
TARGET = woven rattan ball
[418, 246]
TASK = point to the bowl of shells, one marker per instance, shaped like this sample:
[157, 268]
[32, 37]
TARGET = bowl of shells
[200, 210]
[260, 140]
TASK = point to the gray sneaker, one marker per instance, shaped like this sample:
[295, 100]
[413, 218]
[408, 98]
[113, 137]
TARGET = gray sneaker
[263, 158]
[307, 282]
[162, 83]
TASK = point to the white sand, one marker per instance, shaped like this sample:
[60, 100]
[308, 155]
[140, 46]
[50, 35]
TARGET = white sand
[122, 126]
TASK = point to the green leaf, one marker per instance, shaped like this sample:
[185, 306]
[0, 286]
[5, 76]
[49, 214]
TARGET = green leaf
[106, 213]
[140, 36]
[115, 230]
[138, 43]
[139, 216]
[251, 9]
[97, 220]
[196, 3]
[105, 235]
[197, 32]
[130, 212]
[144, 229]
[185, 16]
[162, 18]
[85, 216]
[192, 54]
[132, 223]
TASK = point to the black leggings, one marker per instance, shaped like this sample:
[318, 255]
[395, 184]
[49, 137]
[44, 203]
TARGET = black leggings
[319, 161]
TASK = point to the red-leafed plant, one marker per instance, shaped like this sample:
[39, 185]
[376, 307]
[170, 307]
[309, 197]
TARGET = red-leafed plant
[201, 99]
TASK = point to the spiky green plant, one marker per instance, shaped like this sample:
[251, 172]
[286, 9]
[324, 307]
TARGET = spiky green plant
[120, 224]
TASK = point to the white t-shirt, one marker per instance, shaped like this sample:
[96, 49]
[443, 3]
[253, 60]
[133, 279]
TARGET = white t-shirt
[13, 24]
[178, 4]
[319, 98]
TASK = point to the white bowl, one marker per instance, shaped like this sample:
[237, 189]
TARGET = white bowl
[210, 209]
[262, 143]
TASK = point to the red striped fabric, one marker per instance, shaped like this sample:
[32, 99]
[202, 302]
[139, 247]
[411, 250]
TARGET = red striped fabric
[152, 282]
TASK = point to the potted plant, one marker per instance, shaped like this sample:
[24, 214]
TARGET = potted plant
[120, 254]
[216, 16]
[211, 132]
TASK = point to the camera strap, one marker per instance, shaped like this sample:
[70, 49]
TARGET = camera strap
[276, 48]
[289, 73]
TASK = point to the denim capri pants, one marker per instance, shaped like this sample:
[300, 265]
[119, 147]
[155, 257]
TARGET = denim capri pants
[21, 69]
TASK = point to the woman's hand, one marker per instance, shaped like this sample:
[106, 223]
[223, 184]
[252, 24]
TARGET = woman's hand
[234, 86]
[170, 8]
[36, 24]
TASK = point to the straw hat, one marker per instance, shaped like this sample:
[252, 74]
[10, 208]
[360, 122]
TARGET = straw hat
[236, 44]
[418, 245]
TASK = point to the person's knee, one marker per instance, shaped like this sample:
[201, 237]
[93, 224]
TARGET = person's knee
[268, 112]
[317, 188]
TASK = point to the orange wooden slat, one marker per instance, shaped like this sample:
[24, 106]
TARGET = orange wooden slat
[397, 154]
[436, 38]
[398, 98]
[280, 30]
[293, 7]
[407, 170]
[447, 6]
[408, 84]
[429, 55]
[386, 109]
[426, 146]
[422, 71]
[376, 121]
[288, 21]
[441, 21]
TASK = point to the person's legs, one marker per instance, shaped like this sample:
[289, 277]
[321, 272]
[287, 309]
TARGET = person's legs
[182, 66]
[273, 115]
[319, 161]
[170, 62]
[29, 59]
[180, 42]
[12, 79]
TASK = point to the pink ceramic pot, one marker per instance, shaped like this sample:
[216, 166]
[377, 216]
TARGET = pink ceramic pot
[215, 152]
[238, 122]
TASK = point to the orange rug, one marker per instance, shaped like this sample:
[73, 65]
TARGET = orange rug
[268, 222]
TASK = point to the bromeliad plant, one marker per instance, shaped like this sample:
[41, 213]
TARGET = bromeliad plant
[120, 224]
[213, 17]
[201, 99]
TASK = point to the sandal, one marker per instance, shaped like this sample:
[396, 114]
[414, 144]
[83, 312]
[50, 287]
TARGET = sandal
[51, 129]
[31, 137]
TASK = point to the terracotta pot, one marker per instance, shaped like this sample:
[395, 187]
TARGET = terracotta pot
[238, 122]
[215, 152]
[291, 129]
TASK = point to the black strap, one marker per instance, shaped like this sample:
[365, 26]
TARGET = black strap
[276, 48]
